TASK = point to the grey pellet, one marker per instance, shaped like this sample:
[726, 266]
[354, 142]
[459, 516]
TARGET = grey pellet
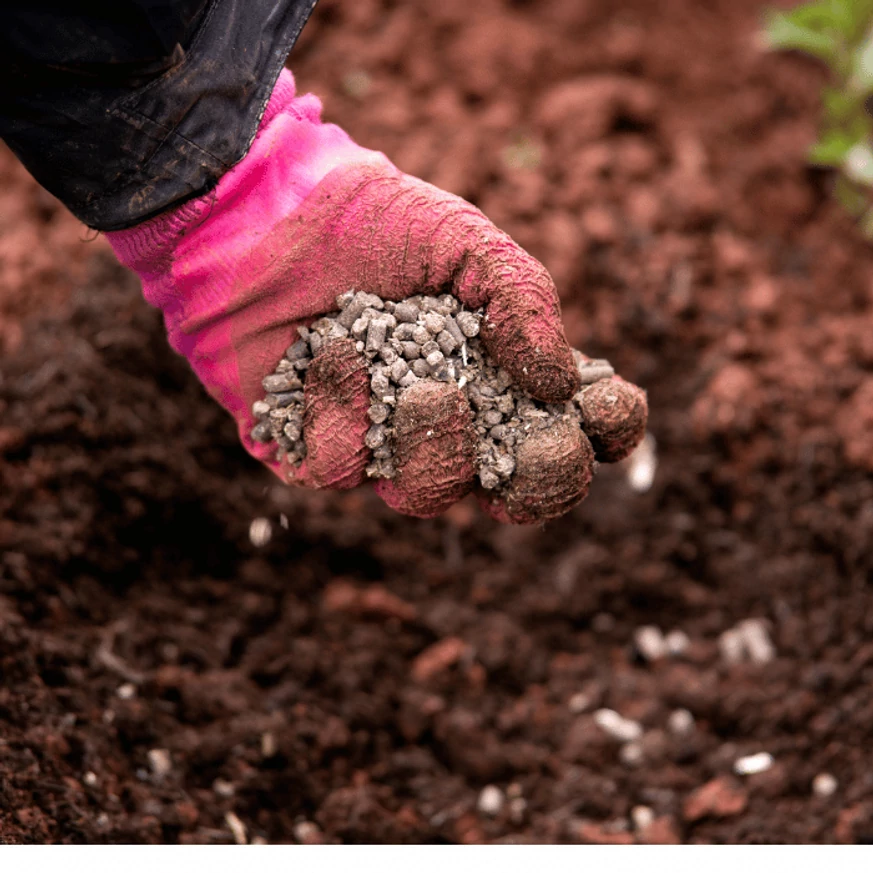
[407, 312]
[492, 417]
[387, 354]
[409, 379]
[371, 301]
[379, 382]
[488, 478]
[505, 404]
[504, 466]
[420, 368]
[594, 371]
[378, 413]
[352, 312]
[260, 408]
[404, 332]
[429, 348]
[286, 398]
[446, 342]
[346, 298]
[455, 331]
[278, 382]
[375, 335]
[421, 335]
[293, 431]
[448, 303]
[297, 350]
[261, 432]
[337, 331]
[375, 436]
[359, 328]
[468, 323]
[411, 351]
[399, 369]
[434, 322]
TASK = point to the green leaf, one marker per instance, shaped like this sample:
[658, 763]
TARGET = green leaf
[861, 13]
[841, 105]
[831, 149]
[782, 32]
[862, 65]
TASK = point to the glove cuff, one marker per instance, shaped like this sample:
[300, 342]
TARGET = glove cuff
[289, 155]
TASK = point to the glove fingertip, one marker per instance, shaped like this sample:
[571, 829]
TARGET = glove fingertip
[554, 468]
[614, 417]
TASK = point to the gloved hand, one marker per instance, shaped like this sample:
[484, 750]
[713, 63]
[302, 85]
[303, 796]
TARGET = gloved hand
[308, 215]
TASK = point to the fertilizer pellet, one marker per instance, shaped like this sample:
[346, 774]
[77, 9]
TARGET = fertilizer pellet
[680, 722]
[749, 765]
[430, 338]
[650, 643]
[624, 730]
[824, 785]
[490, 800]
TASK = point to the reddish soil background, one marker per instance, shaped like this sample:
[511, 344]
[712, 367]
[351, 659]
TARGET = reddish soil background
[364, 676]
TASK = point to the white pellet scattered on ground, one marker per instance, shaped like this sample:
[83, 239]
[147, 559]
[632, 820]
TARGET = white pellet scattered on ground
[642, 818]
[237, 828]
[306, 832]
[751, 764]
[579, 702]
[160, 762]
[631, 754]
[268, 744]
[223, 788]
[126, 691]
[677, 643]
[749, 640]
[757, 640]
[624, 730]
[824, 785]
[490, 800]
[680, 722]
[642, 465]
[90, 779]
[260, 532]
[731, 646]
[650, 642]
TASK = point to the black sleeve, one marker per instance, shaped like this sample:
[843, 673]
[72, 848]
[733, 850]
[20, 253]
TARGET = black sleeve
[123, 109]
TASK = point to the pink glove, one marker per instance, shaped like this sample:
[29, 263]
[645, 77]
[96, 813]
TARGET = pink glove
[306, 216]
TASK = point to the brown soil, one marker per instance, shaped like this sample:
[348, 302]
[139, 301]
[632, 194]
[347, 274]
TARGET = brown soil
[363, 676]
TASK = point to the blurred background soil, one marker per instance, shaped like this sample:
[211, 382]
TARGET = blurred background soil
[363, 677]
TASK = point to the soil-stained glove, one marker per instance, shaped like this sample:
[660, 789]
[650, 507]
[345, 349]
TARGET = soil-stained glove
[306, 216]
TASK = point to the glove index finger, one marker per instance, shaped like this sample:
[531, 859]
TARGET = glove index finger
[522, 327]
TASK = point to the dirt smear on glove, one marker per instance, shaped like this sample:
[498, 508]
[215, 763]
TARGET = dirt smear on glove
[363, 677]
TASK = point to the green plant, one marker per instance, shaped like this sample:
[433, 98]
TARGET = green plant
[839, 33]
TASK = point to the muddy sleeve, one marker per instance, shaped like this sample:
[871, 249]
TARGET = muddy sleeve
[125, 109]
